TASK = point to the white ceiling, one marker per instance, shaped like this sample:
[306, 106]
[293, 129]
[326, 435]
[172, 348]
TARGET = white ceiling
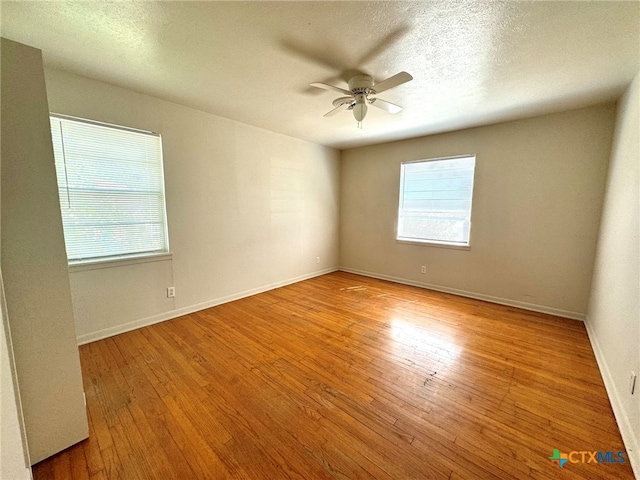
[473, 62]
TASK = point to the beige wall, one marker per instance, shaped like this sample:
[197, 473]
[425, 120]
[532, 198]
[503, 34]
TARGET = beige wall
[537, 199]
[248, 210]
[34, 262]
[614, 309]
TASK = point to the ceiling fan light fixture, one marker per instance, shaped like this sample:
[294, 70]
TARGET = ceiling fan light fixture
[360, 109]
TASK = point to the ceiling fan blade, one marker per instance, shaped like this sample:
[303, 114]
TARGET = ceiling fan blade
[397, 79]
[331, 87]
[386, 106]
[336, 110]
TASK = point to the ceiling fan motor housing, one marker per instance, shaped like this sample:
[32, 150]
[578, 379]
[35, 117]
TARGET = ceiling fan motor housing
[361, 84]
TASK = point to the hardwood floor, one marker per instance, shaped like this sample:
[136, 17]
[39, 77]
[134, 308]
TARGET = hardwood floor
[344, 377]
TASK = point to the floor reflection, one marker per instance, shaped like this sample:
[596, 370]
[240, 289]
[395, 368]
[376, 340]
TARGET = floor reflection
[424, 342]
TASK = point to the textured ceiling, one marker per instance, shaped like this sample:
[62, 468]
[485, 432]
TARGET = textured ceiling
[473, 62]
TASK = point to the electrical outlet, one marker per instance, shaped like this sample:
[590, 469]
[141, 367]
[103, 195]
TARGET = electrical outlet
[171, 292]
[317, 259]
[423, 269]
[632, 383]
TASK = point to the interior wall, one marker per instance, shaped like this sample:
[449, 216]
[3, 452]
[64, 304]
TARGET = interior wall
[34, 264]
[613, 320]
[537, 200]
[247, 209]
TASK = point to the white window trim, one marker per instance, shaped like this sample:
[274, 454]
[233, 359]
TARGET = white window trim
[122, 261]
[434, 243]
[103, 124]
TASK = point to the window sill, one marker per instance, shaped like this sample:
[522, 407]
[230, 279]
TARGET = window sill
[425, 243]
[118, 262]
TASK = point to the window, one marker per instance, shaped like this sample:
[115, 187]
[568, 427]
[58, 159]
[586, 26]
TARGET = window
[111, 188]
[435, 200]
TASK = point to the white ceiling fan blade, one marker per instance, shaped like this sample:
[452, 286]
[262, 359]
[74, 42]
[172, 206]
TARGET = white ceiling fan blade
[336, 110]
[331, 87]
[386, 106]
[397, 79]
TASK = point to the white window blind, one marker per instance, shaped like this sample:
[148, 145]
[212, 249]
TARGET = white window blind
[435, 200]
[111, 187]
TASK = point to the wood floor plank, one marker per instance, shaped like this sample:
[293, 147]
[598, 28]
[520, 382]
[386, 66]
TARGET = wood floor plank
[92, 454]
[344, 377]
[78, 463]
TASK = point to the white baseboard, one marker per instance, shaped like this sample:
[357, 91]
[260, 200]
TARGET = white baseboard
[478, 296]
[161, 317]
[626, 429]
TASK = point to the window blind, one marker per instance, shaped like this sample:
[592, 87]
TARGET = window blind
[111, 187]
[435, 200]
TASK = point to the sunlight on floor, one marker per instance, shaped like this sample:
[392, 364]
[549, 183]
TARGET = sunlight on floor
[422, 341]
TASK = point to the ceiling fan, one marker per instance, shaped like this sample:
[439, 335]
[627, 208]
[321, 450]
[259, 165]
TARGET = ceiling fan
[362, 92]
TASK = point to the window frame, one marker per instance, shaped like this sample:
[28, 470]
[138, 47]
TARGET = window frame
[430, 242]
[127, 258]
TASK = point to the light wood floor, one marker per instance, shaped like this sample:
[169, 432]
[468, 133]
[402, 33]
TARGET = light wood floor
[344, 377]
